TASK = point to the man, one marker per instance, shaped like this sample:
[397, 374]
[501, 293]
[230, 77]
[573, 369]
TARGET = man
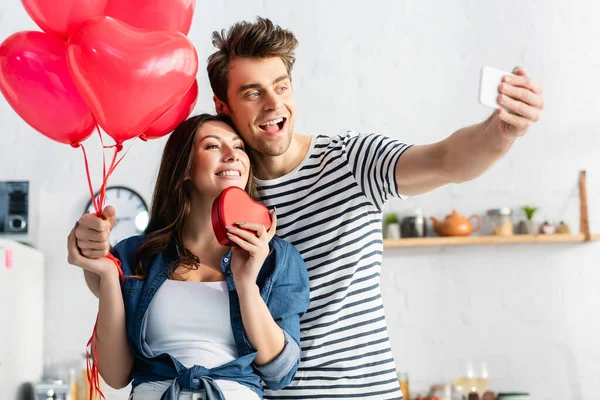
[329, 193]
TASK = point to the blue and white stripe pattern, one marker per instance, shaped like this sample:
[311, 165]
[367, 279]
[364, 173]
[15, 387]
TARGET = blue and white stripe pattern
[330, 207]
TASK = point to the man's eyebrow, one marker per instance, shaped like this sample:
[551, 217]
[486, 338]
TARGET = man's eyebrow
[281, 78]
[258, 85]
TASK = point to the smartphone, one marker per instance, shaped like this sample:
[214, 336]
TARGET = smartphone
[488, 86]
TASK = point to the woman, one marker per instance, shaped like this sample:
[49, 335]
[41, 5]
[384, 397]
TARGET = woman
[194, 317]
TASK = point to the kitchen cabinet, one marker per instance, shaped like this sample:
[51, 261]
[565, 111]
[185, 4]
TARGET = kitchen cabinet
[21, 316]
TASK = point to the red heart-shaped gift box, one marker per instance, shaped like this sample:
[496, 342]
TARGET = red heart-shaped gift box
[235, 205]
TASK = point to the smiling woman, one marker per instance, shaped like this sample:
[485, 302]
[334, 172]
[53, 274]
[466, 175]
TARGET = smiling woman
[227, 317]
[219, 160]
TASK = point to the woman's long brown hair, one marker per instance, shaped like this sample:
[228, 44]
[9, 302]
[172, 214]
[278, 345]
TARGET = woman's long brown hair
[171, 201]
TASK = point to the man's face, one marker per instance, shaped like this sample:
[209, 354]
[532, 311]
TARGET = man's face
[261, 103]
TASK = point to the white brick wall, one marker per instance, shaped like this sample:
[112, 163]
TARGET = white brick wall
[408, 69]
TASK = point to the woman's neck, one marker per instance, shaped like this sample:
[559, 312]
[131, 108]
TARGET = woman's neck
[198, 235]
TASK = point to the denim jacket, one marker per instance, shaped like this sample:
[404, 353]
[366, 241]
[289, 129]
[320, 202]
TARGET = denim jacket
[283, 284]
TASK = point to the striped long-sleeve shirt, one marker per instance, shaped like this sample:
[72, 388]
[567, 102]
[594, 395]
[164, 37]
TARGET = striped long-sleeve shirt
[330, 207]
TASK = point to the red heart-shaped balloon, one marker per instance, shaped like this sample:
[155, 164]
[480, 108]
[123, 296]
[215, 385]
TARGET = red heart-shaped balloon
[176, 115]
[155, 15]
[129, 77]
[36, 82]
[63, 17]
[235, 205]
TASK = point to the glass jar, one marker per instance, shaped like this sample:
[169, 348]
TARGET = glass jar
[444, 392]
[500, 221]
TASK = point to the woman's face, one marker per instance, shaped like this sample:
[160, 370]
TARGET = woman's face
[219, 159]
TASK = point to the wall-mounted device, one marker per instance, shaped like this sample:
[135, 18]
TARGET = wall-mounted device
[14, 207]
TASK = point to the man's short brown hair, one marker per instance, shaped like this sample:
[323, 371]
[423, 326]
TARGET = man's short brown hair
[261, 39]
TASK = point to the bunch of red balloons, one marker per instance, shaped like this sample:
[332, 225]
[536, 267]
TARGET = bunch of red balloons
[126, 65]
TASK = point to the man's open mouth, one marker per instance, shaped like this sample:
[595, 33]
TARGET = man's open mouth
[274, 125]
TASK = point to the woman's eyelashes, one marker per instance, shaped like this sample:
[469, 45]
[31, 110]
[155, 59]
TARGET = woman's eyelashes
[216, 146]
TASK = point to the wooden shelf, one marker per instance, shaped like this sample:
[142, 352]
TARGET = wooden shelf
[487, 240]
[583, 235]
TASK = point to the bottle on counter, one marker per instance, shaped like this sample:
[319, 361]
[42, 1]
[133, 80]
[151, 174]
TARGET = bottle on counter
[403, 380]
[84, 386]
[73, 385]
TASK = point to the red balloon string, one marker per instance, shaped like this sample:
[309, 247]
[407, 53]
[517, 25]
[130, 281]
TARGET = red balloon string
[113, 165]
[102, 191]
[89, 179]
[93, 376]
[103, 155]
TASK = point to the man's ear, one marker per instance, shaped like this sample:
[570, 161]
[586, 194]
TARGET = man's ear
[220, 107]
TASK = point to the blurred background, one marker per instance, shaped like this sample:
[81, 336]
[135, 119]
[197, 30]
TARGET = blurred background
[525, 313]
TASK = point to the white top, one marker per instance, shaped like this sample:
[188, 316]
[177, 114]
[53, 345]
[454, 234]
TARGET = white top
[191, 322]
[330, 208]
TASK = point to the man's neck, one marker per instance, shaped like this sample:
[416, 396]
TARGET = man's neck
[272, 167]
